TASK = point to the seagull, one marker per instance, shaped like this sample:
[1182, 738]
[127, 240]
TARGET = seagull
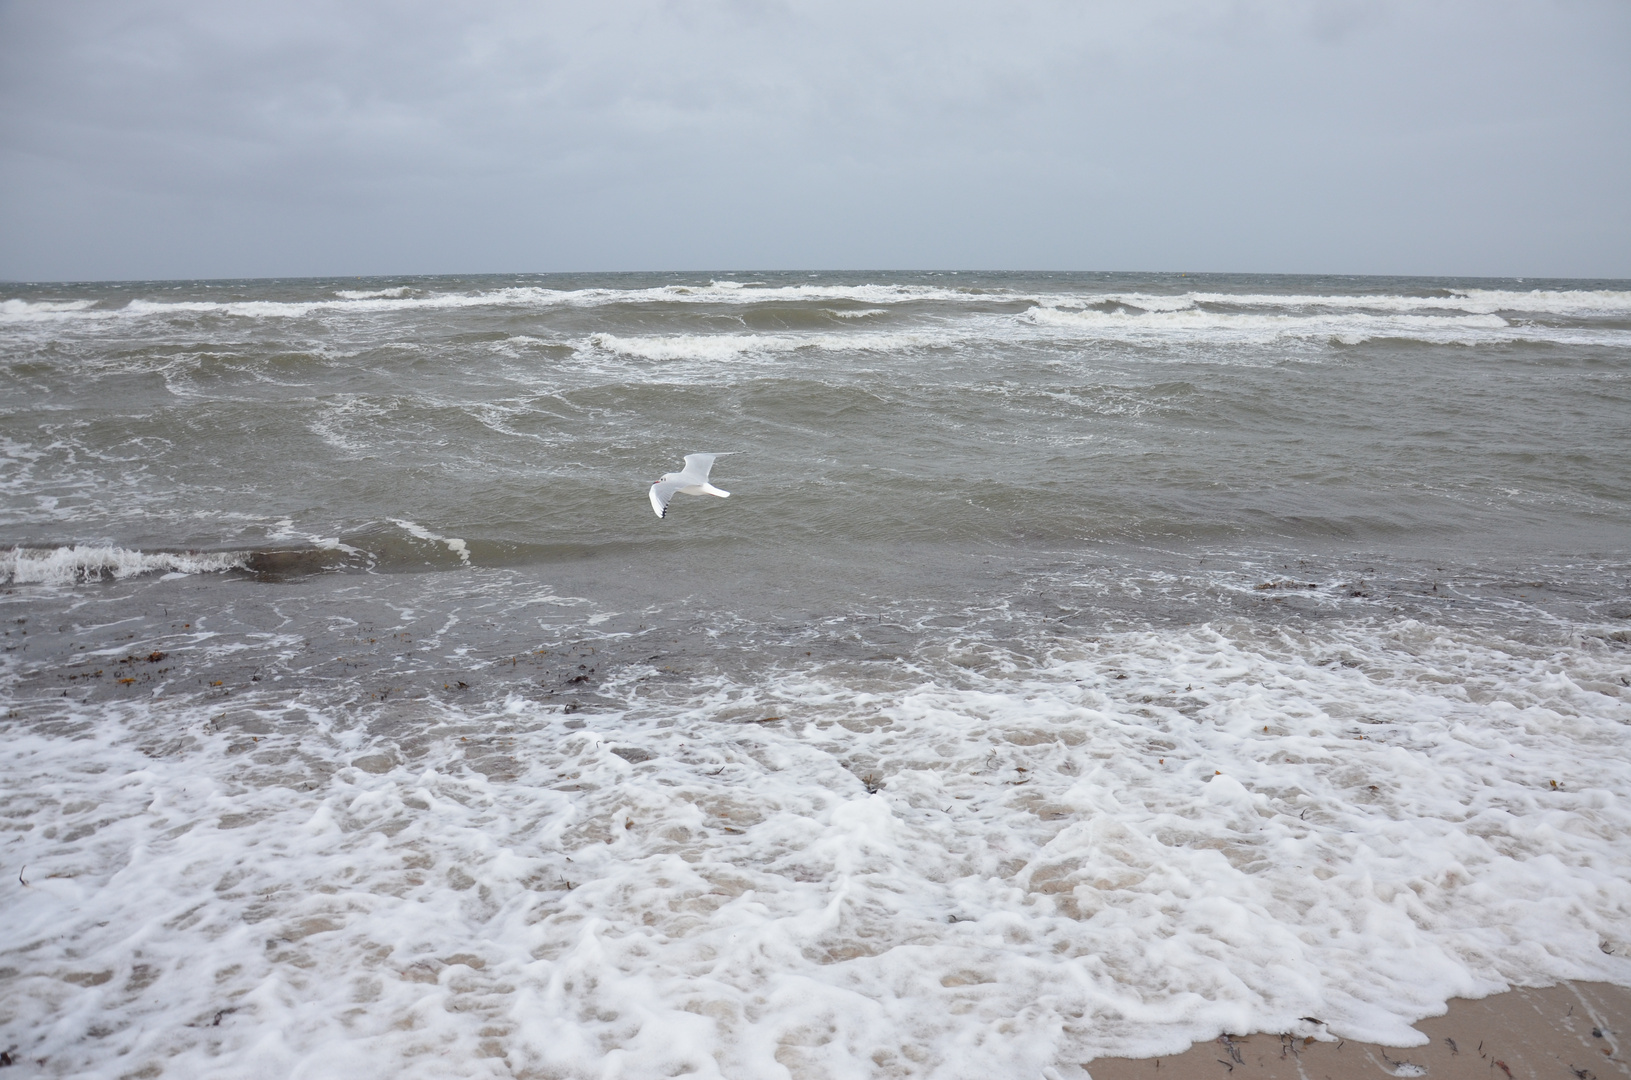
[692, 480]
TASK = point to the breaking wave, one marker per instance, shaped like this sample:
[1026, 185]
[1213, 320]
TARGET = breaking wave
[63, 565]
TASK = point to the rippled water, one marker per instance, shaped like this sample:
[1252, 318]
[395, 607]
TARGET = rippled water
[1082, 664]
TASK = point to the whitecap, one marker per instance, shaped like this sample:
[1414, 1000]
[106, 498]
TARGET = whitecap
[371, 294]
[1193, 323]
[453, 543]
[19, 311]
[62, 565]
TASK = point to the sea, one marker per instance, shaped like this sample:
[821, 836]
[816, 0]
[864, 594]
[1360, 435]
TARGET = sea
[1082, 665]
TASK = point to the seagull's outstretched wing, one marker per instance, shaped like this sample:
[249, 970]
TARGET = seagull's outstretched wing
[699, 465]
[661, 492]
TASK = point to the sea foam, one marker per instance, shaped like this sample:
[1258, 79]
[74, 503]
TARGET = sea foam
[984, 866]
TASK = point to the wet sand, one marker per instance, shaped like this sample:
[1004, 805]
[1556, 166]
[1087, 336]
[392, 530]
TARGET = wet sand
[1574, 1031]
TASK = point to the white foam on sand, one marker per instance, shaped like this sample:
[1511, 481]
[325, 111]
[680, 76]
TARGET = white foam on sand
[61, 565]
[1116, 848]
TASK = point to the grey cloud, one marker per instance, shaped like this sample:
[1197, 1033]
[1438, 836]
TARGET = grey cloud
[180, 139]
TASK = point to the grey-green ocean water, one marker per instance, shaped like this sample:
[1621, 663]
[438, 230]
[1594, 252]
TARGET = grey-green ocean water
[302, 545]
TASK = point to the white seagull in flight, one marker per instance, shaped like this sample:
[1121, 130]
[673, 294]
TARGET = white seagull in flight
[692, 480]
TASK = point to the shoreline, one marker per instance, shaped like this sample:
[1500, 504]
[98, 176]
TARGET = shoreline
[1573, 1029]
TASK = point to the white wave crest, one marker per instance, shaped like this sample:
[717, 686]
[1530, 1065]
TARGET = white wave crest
[382, 301]
[721, 347]
[1348, 327]
[1599, 302]
[1581, 302]
[64, 565]
[371, 294]
[877, 298]
[15, 310]
[454, 544]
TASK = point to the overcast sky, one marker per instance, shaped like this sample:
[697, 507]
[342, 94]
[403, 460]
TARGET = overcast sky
[160, 138]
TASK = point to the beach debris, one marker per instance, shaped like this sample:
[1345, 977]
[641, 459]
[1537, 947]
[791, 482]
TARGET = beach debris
[1227, 1041]
[1403, 1068]
[7, 1057]
[154, 657]
[874, 783]
[1596, 1033]
[1583, 1074]
[1503, 1068]
[224, 1012]
[1452, 1045]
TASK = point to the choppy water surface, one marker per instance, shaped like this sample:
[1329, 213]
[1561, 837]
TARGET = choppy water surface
[1083, 664]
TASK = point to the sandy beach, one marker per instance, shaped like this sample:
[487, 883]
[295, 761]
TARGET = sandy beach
[1576, 1029]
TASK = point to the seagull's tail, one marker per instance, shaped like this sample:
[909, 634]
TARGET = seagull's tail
[709, 489]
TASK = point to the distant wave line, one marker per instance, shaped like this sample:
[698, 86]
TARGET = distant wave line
[1577, 303]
